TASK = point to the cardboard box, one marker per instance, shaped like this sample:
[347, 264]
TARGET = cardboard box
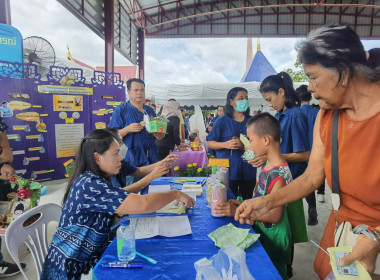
[158, 125]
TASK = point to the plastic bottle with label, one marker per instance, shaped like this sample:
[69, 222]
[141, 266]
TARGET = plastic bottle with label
[126, 244]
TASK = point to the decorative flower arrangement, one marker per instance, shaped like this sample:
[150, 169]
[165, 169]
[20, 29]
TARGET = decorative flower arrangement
[26, 189]
[192, 170]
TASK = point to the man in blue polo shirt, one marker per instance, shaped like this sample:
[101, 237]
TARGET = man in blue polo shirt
[132, 120]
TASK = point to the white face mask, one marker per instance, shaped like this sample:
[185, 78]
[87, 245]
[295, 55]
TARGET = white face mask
[123, 151]
[147, 120]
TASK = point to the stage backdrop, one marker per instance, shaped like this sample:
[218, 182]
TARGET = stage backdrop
[48, 117]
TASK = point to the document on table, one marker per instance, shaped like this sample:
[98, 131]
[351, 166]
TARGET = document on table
[158, 188]
[229, 234]
[146, 227]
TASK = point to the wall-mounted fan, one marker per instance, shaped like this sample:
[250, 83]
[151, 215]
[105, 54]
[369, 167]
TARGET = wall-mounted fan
[39, 51]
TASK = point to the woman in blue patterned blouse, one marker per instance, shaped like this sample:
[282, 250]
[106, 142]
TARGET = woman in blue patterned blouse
[89, 205]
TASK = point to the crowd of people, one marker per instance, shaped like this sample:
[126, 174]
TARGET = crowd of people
[292, 150]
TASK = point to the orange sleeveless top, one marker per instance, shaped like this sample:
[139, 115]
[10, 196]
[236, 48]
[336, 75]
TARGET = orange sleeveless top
[359, 176]
[359, 166]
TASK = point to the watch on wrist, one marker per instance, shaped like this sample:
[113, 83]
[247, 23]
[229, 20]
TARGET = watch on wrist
[371, 233]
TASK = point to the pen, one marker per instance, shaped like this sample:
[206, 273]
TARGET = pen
[191, 180]
[131, 264]
[193, 187]
[176, 182]
[320, 248]
[203, 182]
[147, 258]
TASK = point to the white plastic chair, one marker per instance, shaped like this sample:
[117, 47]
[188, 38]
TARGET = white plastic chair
[34, 235]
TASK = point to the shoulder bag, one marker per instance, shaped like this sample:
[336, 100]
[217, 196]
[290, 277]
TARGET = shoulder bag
[345, 235]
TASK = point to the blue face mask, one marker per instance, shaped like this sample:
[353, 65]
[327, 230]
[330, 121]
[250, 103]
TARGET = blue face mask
[242, 106]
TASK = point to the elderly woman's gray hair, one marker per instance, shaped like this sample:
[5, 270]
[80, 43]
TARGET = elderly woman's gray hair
[338, 48]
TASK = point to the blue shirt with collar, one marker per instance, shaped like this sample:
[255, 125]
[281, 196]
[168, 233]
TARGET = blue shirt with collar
[311, 115]
[142, 148]
[294, 137]
[223, 130]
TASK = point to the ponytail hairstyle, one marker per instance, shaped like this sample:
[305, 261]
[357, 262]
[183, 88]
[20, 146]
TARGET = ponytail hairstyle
[282, 80]
[228, 108]
[97, 141]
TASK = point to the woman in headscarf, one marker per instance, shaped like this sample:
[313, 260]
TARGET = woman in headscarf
[165, 145]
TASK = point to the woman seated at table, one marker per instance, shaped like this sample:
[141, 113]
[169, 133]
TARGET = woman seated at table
[167, 144]
[89, 205]
[148, 172]
[224, 139]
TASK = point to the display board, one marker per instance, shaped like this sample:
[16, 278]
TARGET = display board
[47, 119]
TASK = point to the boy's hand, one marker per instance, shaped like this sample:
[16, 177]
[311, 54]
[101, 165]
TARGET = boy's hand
[258, 161]
[226, 208]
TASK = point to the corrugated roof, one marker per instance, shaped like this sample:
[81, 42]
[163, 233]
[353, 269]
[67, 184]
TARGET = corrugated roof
[221, 18]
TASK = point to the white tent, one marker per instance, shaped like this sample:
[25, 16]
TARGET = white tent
[206, 94]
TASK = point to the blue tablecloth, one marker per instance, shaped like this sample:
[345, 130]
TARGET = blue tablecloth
[176, 255]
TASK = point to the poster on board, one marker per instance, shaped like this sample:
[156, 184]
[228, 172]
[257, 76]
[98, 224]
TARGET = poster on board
[68, 138]
[68, 102]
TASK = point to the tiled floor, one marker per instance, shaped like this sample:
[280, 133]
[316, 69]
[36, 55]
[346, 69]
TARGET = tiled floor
[303, 258]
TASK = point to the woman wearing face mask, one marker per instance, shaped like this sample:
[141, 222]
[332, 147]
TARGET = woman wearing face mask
[224, 139]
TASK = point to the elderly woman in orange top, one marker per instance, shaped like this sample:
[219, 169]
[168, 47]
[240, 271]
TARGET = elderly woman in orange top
[340, 79]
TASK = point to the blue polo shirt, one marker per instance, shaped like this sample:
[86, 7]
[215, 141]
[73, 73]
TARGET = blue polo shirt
[126, 169]
[142, 148]
[294, 136]
[223, 129]
[311, 114]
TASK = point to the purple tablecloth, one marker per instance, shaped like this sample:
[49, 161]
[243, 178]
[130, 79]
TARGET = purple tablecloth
[186, 157]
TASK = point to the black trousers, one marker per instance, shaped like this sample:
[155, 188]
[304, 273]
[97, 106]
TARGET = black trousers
[243, 187]
[310, 199]
[321, 189]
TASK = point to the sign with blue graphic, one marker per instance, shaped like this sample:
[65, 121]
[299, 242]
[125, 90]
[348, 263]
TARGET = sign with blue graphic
[10, 44]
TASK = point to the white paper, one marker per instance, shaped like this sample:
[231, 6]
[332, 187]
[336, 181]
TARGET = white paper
[168, 226]
[68, 138]
[145, 227]
[159, 188]
[174, 226]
